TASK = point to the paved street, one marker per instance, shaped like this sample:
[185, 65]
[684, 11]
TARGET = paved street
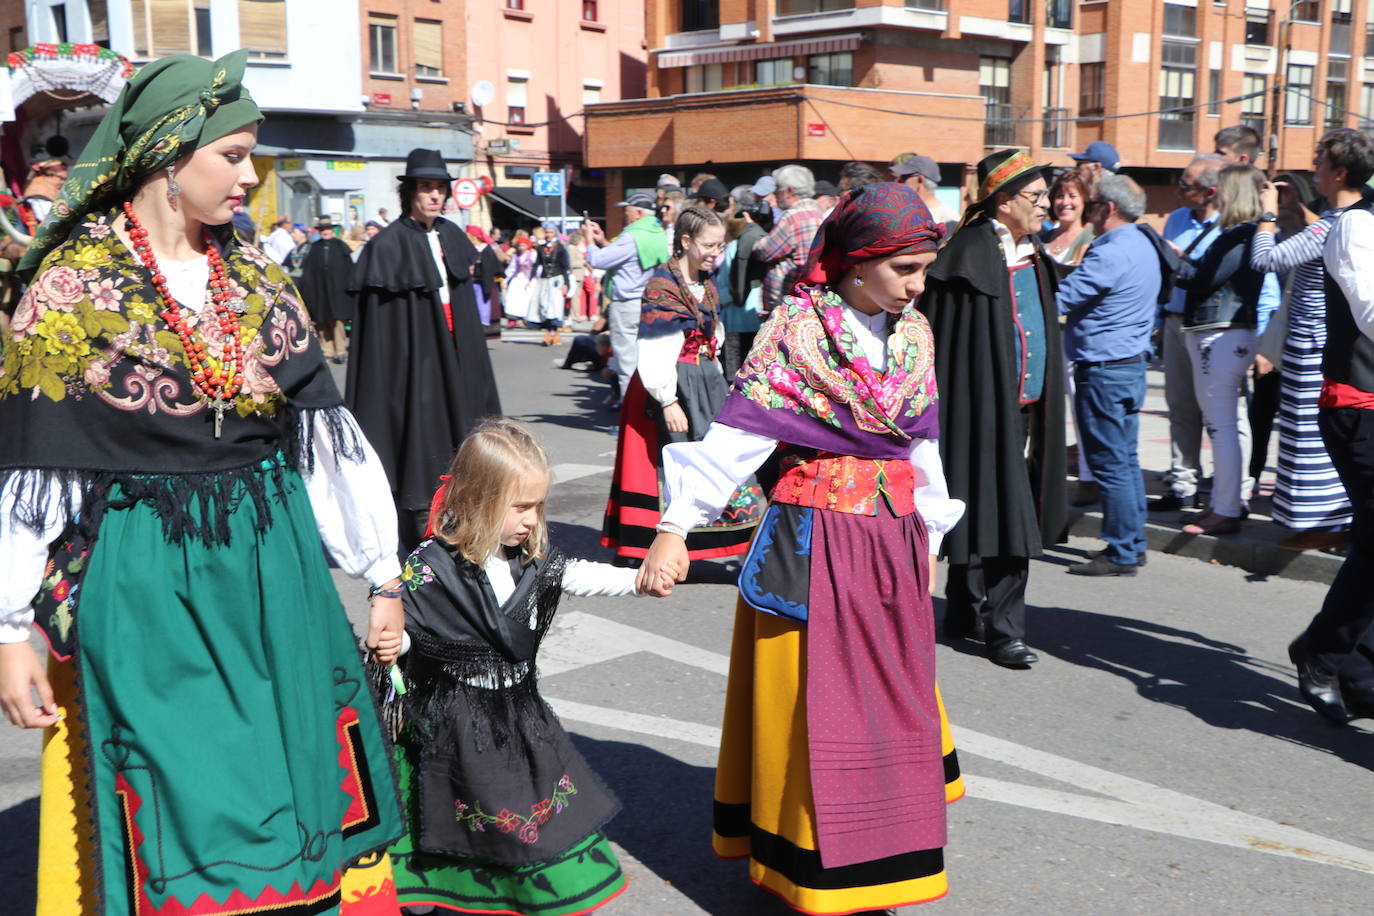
[1156, 761]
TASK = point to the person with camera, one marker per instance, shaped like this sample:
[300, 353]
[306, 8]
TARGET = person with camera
[751, 223]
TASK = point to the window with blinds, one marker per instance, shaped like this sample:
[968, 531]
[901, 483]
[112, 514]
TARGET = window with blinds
[517, 96]
[100, 22]
[429, 48]
[262, 28]
[170, 22]
[381, 37]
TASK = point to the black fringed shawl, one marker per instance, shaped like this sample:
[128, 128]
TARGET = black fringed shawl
[496, 777]
[95, 394]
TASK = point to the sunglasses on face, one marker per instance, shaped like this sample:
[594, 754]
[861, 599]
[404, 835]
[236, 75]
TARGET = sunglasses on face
[1184, 186]
[1034, 197]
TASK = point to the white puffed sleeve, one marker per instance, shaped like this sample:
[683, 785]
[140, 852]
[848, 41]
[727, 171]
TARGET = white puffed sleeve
[700, 477]
[589, 579]
[23, 557]
[354, 513]
[940, 511]
[657, 365]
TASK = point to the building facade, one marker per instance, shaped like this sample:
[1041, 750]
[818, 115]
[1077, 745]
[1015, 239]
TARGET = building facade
[532, 67]
[738, 86]
[326, 147]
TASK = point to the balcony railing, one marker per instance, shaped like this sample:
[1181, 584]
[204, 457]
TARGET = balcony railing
[1003, 125]
[1176, 131]
[799, 7]
[1019, 10]
[1056, 131]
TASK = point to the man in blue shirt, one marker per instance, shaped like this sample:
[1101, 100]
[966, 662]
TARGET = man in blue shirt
[1109, 303]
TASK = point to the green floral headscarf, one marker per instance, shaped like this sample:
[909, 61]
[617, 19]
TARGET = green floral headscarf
[170, 108]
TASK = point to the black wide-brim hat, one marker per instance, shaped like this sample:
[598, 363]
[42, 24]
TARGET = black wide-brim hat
[426, 163]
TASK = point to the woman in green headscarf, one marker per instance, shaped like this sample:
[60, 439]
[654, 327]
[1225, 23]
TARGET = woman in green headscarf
[174, 452]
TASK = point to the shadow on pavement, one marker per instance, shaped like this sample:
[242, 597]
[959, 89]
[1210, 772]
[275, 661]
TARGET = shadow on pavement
[19, 856]
[1218, 682]
[588, 410]
[666, 824]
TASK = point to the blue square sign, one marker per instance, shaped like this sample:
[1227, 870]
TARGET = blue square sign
[548, 184]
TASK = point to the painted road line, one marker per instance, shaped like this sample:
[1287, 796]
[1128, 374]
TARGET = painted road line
[563, 473]
[1204, 821]
[581, 639]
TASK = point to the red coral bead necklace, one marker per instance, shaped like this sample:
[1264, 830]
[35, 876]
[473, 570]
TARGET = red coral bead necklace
[218, 385]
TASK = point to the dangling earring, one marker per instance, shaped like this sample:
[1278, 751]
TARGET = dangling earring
[858, 281]
[173, 189]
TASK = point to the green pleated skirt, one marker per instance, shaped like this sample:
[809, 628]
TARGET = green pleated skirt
[236, 760]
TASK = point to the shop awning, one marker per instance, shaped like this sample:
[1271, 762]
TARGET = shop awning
[524, 201]
[764, 51]
[337, 174]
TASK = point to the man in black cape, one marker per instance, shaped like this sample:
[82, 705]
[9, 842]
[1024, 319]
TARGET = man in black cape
[420, 377]
[990, 298]
[325, 272]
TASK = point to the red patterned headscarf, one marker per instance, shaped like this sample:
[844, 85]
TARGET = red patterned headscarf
[870, 222]
[480, 234]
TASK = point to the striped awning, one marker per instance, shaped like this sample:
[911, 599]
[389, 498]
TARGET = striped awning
[765, 51]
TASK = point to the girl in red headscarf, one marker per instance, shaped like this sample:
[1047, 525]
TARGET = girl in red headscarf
[835, 760]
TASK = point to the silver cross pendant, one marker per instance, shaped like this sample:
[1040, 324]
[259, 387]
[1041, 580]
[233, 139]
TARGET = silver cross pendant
[219, 407]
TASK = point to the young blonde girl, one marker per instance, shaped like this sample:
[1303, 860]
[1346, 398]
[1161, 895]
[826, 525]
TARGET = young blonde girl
[504, 814]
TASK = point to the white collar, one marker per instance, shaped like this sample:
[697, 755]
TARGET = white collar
[1013, 252]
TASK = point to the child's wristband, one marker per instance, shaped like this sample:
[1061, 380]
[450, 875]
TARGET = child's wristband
[670, 528]
[382, 591]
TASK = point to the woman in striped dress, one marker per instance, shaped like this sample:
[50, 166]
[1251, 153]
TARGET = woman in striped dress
[1308, 497]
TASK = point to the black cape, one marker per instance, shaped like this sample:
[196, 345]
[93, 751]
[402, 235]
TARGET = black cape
[482, 742]
[489, 268]
[417, 389]
[1015, 504]
[324, 281]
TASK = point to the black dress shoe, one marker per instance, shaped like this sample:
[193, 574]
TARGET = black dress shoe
[1013, 653]
[1101, 566]
[1359, 704]
[1319, 687]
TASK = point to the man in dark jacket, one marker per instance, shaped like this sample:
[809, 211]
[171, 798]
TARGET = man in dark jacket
[419, 377]
[990, 298]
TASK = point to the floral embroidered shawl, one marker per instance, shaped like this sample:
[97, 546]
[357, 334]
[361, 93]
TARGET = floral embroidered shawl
[669, 306]
[95, 391]
[806, 382]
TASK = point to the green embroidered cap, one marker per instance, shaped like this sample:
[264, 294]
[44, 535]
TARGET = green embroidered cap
[170, 108]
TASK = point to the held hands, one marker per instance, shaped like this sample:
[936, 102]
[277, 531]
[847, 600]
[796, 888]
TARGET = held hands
[386, 623]
[674, 418]
[666, 564]
[21, 675]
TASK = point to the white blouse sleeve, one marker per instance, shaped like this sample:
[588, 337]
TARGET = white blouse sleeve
[658, 365]
[701, 476]
[354, 513]
[589, 579]
[23, 557]
[940, 511]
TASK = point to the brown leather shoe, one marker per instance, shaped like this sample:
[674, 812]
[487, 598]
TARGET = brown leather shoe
[1314, 540]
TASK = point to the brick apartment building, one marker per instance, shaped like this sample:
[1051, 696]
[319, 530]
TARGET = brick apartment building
[542, 61]
[739, 86]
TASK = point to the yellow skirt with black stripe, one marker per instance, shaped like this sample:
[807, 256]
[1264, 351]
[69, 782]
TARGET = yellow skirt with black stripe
[763, 803]
[66, 841]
